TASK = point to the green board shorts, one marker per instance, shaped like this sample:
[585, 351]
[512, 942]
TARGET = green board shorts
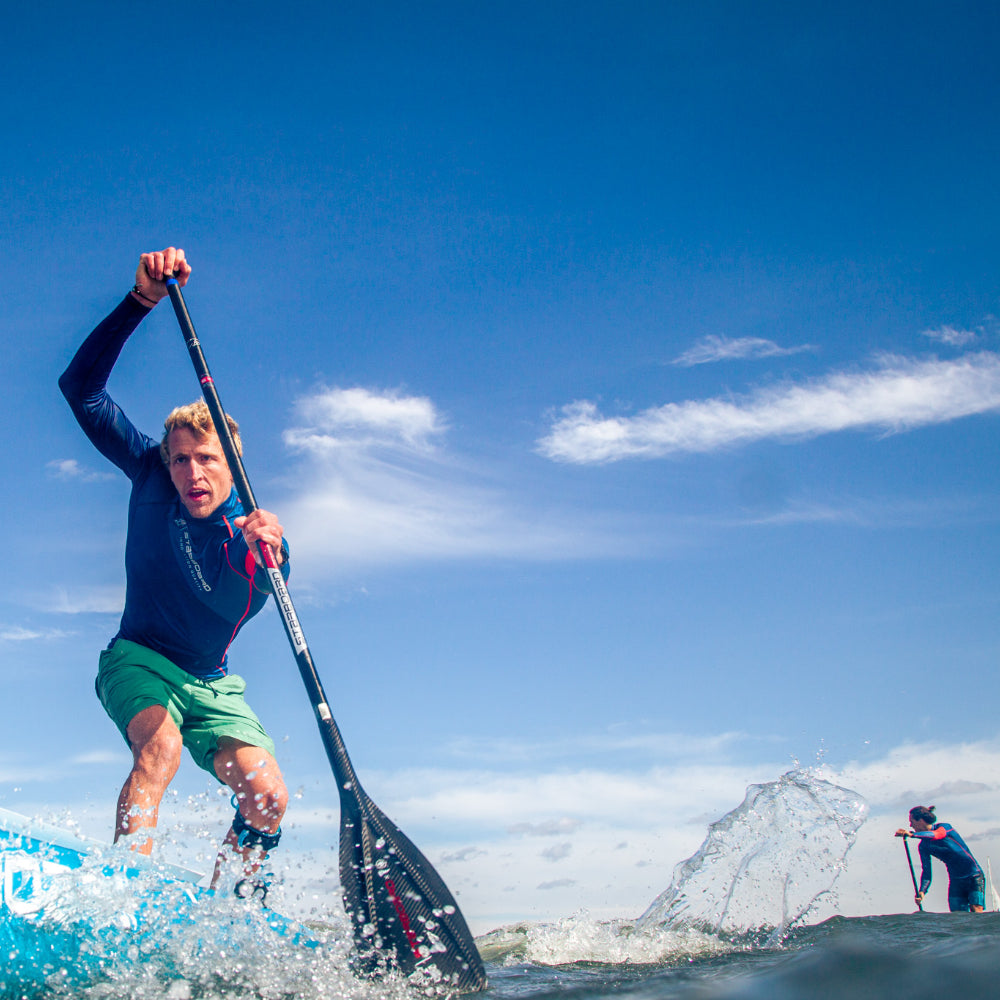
[131, 677]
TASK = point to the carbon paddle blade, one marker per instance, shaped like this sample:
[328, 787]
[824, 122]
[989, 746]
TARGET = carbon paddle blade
[403, 915]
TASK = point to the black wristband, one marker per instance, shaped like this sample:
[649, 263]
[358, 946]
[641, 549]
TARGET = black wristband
[145, 298]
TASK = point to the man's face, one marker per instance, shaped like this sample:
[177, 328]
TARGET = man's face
[199, 471]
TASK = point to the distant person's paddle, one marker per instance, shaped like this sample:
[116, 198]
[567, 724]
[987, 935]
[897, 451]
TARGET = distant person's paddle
[401, 911]
[913, 877]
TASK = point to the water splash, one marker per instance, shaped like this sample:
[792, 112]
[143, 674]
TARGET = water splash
[762, 868]
[767, 863]
[100, 930]
[582, 938]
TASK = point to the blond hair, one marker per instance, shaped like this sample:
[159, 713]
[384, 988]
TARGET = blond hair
[198, 420]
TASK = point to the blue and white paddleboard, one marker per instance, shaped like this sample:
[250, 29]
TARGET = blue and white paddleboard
[28, 848]
[72, 909]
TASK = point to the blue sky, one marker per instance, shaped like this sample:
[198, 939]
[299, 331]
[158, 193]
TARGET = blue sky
[626, 377]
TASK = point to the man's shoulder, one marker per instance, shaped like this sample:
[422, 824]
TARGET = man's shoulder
[151, 475]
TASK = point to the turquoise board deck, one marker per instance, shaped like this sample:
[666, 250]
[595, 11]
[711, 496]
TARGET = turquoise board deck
[72, 909]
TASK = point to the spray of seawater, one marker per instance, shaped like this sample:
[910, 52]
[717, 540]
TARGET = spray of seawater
[761, 870]
[759, 873]
[581, 938]
[102, 930]
[767, 863]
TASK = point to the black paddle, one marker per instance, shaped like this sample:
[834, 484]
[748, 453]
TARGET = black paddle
[913, 877]
[401, 911]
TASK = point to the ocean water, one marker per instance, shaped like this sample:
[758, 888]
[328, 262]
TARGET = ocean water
[733, 923]
[892, 957]
[905, 956]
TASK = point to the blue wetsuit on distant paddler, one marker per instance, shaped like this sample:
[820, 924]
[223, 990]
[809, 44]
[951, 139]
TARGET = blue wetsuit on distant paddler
[966, 882]
[191, 560]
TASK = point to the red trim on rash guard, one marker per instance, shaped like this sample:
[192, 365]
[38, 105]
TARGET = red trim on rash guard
[940, 833]
[247, 574]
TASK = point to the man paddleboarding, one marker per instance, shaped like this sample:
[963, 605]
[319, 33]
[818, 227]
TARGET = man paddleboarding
[193, 579]
[966, 882]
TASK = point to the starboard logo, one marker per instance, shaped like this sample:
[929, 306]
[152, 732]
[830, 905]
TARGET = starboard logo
[26, 882]
[284, 602]
[186, 548]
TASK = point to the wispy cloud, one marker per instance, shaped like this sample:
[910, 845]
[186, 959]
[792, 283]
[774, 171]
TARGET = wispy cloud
[616, 833]
[527, 800]
[557, 852]
[621, 740]
[625, 829]
[718, 348]
[898, 395]
[951, 336]
[558, 883]
[70, 469]
[381, 488]
[18, 633]
[18, 770]
[335, 418]
[550, 828]
[92, 757]
[871, 511]
[85, 600]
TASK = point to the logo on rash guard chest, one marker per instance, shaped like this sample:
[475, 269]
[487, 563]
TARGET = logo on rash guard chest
[187, 555]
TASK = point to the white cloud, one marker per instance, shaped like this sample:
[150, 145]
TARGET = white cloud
[557, 852]
[717, 348]
[616, 739]
[550, 828]
[617, 832]
[15, 770]
[951, 336]
[85, 600]
[17, 633]
[873, 511]
[628, 829]
[99, 757]
[375, 492]
[70, 468]
[505, 813]
[335, 418]
[900, 394]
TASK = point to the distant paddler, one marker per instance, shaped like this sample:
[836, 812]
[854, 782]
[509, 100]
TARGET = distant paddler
[966, 882]
[191, 561]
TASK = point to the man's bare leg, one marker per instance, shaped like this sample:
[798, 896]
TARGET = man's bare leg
[253, 775]
[156, 754]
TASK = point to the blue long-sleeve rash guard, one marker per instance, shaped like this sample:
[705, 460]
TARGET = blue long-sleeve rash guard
[943, 842]
[190, 582]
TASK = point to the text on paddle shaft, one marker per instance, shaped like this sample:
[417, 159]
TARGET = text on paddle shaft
[284, 602]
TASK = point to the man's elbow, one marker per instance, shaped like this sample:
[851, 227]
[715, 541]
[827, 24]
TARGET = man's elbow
[67, 385]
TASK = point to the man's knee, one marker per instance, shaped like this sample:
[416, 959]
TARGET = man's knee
[264, 800]
[276, 799]
[255, 778]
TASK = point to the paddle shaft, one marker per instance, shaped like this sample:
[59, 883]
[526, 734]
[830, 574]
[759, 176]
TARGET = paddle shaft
[913, 876]
[332, 740]
[387, 884]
